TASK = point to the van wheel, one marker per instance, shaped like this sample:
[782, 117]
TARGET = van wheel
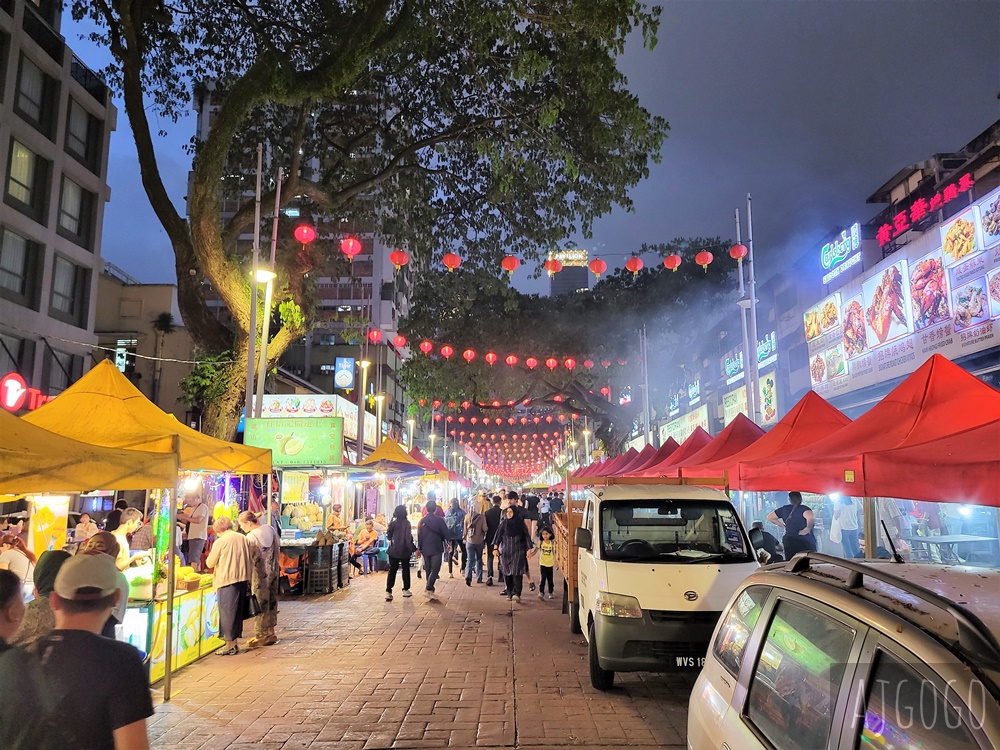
[574, 617]
[601, 679]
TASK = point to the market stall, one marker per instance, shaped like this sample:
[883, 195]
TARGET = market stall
[105, 409]
[737, 436]
[665, 451]
[641, 459]
[697, 440]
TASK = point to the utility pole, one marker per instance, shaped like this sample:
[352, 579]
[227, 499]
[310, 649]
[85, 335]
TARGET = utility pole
[753, 397]
[252, 343]
[644, 351]
[268, 292]
[748, 348]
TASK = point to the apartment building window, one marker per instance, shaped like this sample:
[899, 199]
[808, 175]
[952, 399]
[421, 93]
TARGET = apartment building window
[37, 96]
[4, 49]
[60, 368]
[76, 208]
[68, 302]
[18, 268]
[11, 353]
[27, 181]
[83, 133]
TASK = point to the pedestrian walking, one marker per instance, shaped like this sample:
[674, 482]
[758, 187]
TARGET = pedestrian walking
[455, 520]
[475, 540]
[545, 512]
[846, 515]
[493, 517]
[230, 563]
[265, 549]
[401, 548]
[514, 544]
[546, 562]
[432, 539]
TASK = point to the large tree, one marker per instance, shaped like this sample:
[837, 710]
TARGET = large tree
[472, 124]
[478, 309]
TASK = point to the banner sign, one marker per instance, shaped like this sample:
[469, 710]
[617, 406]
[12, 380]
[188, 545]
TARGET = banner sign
[299, 441]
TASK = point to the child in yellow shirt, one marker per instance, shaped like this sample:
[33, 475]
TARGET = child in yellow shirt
[546, 562]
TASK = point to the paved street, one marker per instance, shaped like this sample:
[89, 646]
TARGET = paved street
[354, 672]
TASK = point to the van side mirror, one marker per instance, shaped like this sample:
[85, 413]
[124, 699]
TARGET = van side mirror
[584, 538]
[756, 538]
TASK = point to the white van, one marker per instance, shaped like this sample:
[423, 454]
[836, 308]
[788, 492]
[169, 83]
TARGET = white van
[657, 565]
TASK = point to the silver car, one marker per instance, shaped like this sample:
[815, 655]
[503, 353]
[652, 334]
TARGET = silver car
[827, 653]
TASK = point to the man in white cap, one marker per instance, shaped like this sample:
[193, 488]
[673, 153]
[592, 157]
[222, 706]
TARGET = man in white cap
[98, 684]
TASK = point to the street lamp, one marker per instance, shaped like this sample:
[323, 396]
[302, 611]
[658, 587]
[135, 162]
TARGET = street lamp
[412, 422]
[362, 394]
[586, 444]
[267, 276]
[433, 438]
[454, 460]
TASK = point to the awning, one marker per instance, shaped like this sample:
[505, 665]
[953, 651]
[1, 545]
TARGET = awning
[35, 460]
[811, 419]
[390, 458]
[104, 408]
[940, 399]
[665, 451]
[735, 437]
[697, 440]
[641, 458]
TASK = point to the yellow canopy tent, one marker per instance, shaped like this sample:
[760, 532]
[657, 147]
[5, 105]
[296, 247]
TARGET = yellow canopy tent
[33, 460]
[389, 450]
[104, 408]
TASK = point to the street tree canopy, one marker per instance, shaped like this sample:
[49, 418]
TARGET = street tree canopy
[477, 126]
[474, 309]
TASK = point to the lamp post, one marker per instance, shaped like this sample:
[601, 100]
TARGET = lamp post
[362, 394]
[252, 342]
[433, 438]
[268, 276]
[586, 444]
[412, 423]
[379, 406]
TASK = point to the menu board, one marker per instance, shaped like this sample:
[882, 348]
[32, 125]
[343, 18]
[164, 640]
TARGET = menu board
[287, 406]
[938, 294]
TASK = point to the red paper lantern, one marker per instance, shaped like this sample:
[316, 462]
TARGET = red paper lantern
[634, 264]
[510, 403]
[304, 233]
[399, 341]
[426, 347]
[557, 398]
[447, 351]
[451, 404]
[605, 391]
[588, 363]
[703, 259]
[510, 263]
[606, 363]
[672, 262]
[399, 258]
[496, 404]
[511, 360]
[531, 363]
[738, 252]
[350, 246]
[469, 355]
[490, 358]
[466, 404]
[552, 363]
[423, 402]
[553, 266]
[436, 404]
[451, 261]
[598, 266]
[569, 363]
[449, 418]
[375, 335]
[622, 362]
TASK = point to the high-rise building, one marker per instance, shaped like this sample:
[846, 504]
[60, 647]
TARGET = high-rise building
[574, 276]
[56, 119]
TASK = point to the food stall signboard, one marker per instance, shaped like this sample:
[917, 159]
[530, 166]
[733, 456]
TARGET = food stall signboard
[842, 253]
[733, 403]
[299, 441]
[938, 294]
[679, 429]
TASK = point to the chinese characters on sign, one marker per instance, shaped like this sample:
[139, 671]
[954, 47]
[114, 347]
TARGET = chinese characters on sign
[920, 208]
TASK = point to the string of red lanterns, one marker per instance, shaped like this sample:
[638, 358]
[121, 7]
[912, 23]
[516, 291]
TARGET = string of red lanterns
[512, 360]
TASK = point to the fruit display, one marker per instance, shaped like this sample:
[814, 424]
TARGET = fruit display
[327, 538]
[305, 516]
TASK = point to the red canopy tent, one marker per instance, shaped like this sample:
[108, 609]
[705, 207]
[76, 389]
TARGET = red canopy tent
[610, 467]
[737, 436]
[664, 452]
[641, 457]
[694, 443]
[811, 419]
[960, 468]
[938, 400]
[420, 458]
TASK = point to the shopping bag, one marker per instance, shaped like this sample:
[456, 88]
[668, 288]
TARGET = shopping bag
[835, 531]
[251, 607]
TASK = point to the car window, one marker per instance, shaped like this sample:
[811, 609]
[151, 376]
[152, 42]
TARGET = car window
[588, 516]
[798, 676]
[737, 627]
[905, 710]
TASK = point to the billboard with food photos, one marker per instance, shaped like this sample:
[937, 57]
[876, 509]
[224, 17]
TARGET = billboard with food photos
[939, 293]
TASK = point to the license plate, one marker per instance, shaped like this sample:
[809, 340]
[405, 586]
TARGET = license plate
[689, 662]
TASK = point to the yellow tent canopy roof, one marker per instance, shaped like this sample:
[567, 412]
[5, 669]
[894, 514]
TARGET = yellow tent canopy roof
[104, 408]
[389, 450]
[35, 460]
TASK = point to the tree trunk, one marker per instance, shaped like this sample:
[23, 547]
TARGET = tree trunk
[221, 417]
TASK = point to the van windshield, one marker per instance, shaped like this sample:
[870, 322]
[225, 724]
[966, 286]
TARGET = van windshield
[688, 531]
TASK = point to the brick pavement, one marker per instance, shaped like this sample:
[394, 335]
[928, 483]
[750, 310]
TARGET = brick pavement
[354, 672]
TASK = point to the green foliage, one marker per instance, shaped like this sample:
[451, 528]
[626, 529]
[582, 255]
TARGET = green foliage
[164, 323]
[208, 381]
[291, 315]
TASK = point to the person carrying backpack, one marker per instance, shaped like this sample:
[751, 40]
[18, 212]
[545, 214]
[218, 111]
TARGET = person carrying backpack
[475, 540]
[455, 521]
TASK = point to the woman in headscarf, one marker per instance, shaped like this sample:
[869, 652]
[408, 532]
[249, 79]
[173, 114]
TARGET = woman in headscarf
[401, 548]
[513, 544]
[265, 546]
[38, 618]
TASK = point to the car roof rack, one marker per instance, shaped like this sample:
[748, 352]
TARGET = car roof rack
[974, 638]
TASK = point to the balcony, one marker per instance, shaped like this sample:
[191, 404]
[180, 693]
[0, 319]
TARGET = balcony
[90, 81]
[40, 31]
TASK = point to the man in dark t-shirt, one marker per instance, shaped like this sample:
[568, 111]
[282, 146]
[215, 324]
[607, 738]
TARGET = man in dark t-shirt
[114, 519]
[99, 685]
